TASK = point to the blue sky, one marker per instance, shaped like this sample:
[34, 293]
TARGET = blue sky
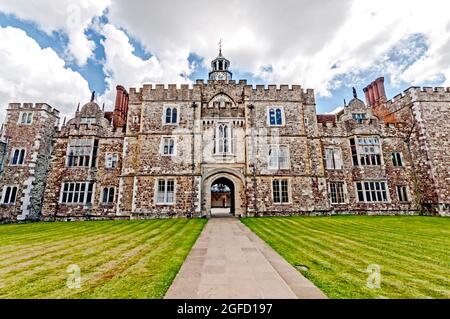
[130, 50]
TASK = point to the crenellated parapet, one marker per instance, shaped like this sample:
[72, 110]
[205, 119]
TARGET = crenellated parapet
[205, 91]
[34, 107]
[425, 94]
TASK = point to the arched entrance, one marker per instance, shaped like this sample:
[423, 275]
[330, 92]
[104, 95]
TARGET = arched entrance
[223, 197]
[225, 184]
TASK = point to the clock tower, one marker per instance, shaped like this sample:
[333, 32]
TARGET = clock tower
[220, 67]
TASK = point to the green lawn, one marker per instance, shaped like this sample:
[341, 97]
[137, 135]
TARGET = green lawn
[117, 259]
[413, 253]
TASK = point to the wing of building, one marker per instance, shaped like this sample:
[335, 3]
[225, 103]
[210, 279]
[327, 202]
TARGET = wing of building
[226, 147]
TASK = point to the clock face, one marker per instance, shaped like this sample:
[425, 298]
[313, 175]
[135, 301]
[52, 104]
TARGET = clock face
[221, 76]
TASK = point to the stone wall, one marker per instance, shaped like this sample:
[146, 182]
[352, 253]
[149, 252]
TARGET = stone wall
[30, 177]
[414, 124]
[110, 140]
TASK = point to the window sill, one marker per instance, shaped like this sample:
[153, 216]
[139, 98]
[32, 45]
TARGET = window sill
[375, 203]
[224, 155]
[165, 204]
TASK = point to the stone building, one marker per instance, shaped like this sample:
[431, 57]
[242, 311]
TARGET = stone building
[83, 181]
[187, 150]
[26, 142]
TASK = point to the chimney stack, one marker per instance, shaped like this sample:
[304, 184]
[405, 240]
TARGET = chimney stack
[121, 107]
[375, 93]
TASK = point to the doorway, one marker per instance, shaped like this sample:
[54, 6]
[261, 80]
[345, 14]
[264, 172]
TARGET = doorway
[222, 198]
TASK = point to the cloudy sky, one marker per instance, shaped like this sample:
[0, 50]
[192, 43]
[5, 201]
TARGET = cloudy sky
[58, 51]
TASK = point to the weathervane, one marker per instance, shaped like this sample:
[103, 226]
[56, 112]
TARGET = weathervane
[220, 45]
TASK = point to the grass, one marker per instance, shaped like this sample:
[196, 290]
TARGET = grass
[413, 253]
[117, 259]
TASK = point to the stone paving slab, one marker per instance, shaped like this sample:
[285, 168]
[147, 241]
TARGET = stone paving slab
[228, 261]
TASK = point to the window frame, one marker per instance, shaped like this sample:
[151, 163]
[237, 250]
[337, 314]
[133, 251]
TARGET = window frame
[375, 191]
[88, 120]
[405, 190]
[164, 117]
[281, 201]
[356, 151]
[86, 193]
[165, 202]
[21, 114]
[278, 167]
[341, 160]
[108, 195]
[4, 191]
[219, 142]
[112, 154]
[163, 146]
[344, 193]
[359, 117]
[91, 154]
[396, 156]
[283, 117]
[20, 156]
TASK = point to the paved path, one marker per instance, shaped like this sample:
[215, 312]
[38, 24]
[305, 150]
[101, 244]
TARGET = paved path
[230, 262]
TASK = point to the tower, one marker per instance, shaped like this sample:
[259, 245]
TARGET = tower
[220, 66]
[27, 145]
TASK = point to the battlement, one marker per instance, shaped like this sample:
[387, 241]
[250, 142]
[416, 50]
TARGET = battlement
[421, 93]
[192, 91]
[34, 107]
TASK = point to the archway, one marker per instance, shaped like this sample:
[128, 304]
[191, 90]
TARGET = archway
[234, 180]
[223, 201]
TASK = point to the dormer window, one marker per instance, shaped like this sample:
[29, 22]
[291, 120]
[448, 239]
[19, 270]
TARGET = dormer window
[88, 120]
[359, 117]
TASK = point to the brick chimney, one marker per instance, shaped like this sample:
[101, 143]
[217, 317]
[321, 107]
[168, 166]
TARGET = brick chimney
[121, 107]
[375, 93]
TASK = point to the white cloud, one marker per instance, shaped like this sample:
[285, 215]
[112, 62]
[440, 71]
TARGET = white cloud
[30, 74]
[299, 42]
[305, 42]
[129, 70]
[69, 16]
